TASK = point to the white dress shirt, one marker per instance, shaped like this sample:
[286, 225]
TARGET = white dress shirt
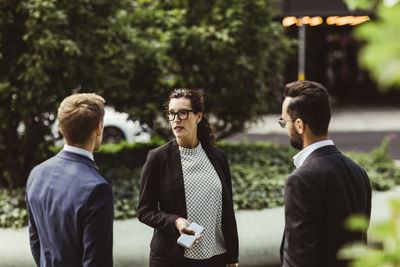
[79, 151]
[300, 157]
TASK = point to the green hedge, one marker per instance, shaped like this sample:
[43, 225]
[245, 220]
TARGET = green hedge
[259, 171]
[12, 208]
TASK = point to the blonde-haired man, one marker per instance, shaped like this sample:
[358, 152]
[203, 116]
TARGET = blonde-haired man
[70, 205]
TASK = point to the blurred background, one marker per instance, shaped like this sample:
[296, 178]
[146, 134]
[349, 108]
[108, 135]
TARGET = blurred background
[240, 53]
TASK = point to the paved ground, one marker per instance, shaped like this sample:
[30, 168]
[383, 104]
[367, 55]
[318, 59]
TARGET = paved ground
[357, 129]
[357, 119]
[260, 232]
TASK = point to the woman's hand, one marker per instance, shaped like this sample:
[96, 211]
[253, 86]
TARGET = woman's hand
[182, 225]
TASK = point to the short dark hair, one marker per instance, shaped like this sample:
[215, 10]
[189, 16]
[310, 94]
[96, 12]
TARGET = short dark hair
[310, 103]
[79, 115]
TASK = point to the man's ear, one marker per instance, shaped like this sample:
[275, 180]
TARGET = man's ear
[299, 126]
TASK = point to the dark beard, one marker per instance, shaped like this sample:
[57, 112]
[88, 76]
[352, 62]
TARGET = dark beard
[296, 141]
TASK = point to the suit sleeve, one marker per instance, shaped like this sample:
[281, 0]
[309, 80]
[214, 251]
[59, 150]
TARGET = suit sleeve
[233, 254]
[228, 175]
[148, 211]
[33, 234]
[300, 224]
[98, 227]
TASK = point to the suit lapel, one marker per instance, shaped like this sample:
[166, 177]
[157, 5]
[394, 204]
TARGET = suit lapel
[177, 173]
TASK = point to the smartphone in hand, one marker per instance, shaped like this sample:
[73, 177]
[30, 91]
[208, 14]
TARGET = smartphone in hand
[186, 240]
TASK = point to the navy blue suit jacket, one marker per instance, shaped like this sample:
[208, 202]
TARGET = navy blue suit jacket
[70, 210]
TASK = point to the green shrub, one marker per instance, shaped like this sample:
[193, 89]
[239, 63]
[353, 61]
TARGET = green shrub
[259, 172]
[379, 165]
[126, 196]
[12, 208]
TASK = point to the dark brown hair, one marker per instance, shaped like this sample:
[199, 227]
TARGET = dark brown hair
[205, 131]
[310, 103]
[79, 115]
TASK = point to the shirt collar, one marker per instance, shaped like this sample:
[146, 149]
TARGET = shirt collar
[300, 157]
[79, 151]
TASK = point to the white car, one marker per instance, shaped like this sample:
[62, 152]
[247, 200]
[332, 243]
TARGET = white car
[117, 127]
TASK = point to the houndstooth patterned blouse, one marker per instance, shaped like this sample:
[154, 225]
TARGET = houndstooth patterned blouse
[203, 191]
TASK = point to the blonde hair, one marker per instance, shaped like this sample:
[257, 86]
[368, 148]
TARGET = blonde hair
[79, 115]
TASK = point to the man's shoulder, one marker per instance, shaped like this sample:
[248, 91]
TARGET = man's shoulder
[327, 165]
[315, 164]
[45, 165]
[333, 159]
[78, 172]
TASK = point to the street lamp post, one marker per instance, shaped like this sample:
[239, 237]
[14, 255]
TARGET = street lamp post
[302, 50]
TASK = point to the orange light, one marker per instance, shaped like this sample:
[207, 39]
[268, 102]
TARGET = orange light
[343, 20]
[312, 21]
[306, 20]
[315, 21]
[331, 20]
[346, 20]
[359, 20]
[299, 22]
[289, 21]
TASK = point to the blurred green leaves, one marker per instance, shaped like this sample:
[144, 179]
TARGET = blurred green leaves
[384, 240]
[384, 237]
[381, 53]
[132, 52]
[357, 223]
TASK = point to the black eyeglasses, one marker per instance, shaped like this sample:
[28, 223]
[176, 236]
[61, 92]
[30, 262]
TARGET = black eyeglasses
[282, 122]
[183, 114]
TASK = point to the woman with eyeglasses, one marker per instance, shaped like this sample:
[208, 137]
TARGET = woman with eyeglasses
[188, 180]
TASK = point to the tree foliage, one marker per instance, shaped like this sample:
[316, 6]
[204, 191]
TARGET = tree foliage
[381, 54]
[133, 52]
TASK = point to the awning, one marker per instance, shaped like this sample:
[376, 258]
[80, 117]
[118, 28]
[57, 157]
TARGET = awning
[322, 8]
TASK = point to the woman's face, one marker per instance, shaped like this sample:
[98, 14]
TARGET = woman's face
[184, 130]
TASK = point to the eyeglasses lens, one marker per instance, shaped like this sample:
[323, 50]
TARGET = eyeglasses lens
[182, 115]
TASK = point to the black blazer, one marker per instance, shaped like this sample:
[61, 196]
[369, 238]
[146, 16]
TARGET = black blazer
[319, 196]
[162, 199]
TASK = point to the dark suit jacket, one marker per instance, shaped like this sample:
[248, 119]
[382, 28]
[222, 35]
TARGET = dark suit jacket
[70, 210]
[162, 199]
[319, 197]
